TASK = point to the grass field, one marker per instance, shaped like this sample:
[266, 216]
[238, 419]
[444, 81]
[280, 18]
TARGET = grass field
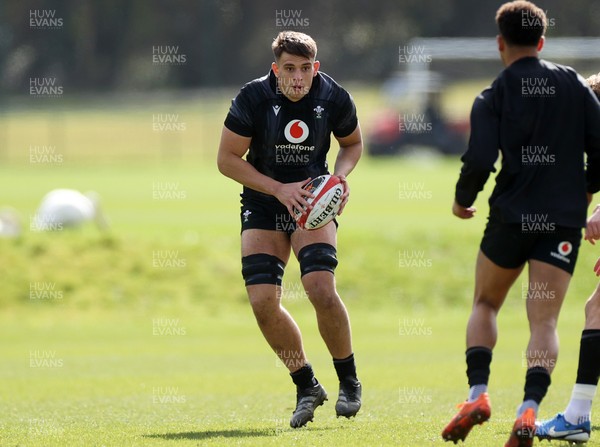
[142, 336]
[112, 379]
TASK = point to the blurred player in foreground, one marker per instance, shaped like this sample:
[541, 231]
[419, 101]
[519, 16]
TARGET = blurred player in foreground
[575, 423]
[283, 122]
[543, 118]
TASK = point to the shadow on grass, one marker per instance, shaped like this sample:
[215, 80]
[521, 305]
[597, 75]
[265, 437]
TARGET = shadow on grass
[234, 433]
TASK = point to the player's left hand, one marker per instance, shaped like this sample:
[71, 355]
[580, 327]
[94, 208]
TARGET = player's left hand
[462, 212]
[346, 194]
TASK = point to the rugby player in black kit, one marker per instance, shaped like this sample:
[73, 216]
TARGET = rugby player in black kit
[544, 120]
[284, 122]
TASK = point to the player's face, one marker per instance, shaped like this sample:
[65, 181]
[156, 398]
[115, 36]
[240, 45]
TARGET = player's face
[295, 75]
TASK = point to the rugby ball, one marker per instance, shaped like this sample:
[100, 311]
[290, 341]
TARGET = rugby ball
[327, 191]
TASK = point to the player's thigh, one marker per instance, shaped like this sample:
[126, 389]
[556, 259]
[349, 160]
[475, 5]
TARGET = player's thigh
[548, 286]
[302, 238]
[551, 265]
[257, 241]
[493, 282]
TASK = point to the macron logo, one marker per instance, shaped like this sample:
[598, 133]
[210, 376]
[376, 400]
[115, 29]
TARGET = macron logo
[276, 109]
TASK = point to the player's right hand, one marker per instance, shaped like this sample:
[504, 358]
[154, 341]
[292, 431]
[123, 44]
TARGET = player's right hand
[462, 212]
[293, 195]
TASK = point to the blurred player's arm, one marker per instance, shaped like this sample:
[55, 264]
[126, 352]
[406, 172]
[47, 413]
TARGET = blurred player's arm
[351, 148]
[478, 161]
[231, 164]
[592, 229]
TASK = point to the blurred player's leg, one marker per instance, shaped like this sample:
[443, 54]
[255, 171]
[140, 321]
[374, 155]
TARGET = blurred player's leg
[575, 423]
[316, 252]
[492, 284]
[580, 407]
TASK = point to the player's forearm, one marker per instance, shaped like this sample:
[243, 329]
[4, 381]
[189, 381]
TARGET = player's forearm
[243, 172]
[347, 158]
[470, 183]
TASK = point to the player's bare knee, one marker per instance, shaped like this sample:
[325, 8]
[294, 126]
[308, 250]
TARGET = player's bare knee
[264, 298]
[543, 326]
[486, 302]
[266, 307]
[323, 296]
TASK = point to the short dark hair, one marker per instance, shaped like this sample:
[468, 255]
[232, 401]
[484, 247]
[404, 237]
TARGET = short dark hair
[294, 42]
[521, 23]
[594, 83]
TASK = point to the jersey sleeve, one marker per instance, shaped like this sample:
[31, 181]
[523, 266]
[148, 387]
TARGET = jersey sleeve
[482, 153]
[346, 120]
[239, 119]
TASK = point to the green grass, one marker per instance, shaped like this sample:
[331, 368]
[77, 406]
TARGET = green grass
[103, 375]
[214, 381]
[130, 353]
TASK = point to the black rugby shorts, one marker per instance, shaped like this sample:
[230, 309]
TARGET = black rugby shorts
[510, 245]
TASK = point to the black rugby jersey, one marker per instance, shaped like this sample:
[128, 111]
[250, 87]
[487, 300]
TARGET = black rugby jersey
[290, 140]
[542, 117]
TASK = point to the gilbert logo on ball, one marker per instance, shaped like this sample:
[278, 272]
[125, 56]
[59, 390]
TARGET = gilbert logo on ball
[565, 248]
[328, 191]
[296, 131]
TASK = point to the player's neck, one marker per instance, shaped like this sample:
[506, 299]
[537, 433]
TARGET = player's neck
[515, 53]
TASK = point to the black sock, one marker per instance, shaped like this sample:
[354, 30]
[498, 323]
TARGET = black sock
[304, 377]
[478, 365]
[588, 371]
[537, 381]
[346, 369]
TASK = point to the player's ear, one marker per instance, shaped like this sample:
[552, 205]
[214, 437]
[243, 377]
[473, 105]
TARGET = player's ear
[540, 44]
[316, 65]
[501, 43]
[275, 68]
